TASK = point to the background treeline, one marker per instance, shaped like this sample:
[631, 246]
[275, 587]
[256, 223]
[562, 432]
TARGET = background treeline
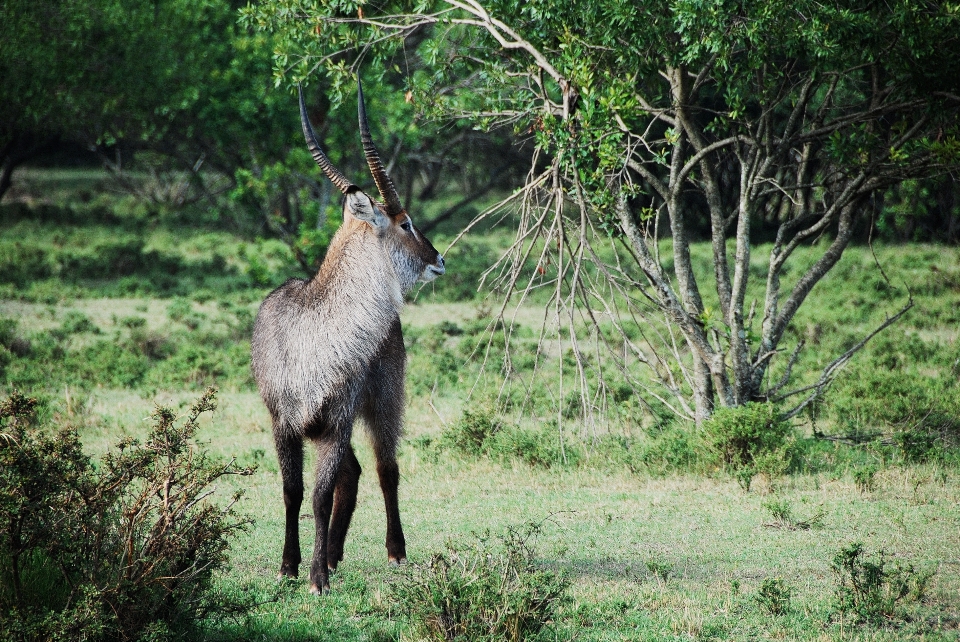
[179, 103]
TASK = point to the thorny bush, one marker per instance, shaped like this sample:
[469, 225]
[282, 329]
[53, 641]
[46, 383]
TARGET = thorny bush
[120, 549]
[491, 590]
[870, 588]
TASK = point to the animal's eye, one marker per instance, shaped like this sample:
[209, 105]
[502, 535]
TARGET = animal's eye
[406, 225]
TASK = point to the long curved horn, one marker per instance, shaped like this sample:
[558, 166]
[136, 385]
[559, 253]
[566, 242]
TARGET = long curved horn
[332, 172]
[389, 193]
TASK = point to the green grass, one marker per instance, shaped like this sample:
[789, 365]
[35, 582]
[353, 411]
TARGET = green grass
[605, 528]
[658, 542]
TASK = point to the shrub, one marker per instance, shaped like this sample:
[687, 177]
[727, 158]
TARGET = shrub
[480, 432]
[8, 330]
[783, 516]
[178, 309]
[670, 450]
[922, 412]
[534, 447]
[748, 440]
[124, 548]
[11, 344]
[76, 322]
[780, 510]
[107, 362]
[492, 589]
[930, 438]
[864, 477]
[471, 433]
[660, 570]
[870, 589]
[133, 322]
[774, 596]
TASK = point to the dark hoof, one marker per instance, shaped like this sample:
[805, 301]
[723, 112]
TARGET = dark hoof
[316, 590]
[287, 574]
[394, 561]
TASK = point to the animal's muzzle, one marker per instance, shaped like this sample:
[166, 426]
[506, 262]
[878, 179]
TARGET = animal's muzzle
[434, 270]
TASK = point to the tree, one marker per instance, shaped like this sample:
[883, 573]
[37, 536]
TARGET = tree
[29, 69]
[173, 87]
[118, 76]
[784, 116]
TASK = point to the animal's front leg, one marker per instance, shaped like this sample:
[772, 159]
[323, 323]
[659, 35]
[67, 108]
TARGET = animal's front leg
[389, 474]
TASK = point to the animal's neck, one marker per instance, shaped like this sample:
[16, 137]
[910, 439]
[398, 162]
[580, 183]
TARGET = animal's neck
[357, 284]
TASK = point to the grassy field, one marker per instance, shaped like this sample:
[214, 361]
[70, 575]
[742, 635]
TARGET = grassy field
[649, 558]
[105, 311]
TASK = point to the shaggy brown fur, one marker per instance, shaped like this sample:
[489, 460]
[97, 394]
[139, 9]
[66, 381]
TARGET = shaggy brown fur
[327, 349]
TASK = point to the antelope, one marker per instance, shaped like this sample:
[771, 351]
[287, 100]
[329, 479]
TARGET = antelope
[327, 349]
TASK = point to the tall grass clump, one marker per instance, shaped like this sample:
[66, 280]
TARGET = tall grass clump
[124, 548]
[491, 590]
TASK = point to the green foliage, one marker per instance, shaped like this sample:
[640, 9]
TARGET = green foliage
[774, 596]
[489, 590]
[870, 589]
[49, 263]
[542, 448]
[75, 322]
[917, 210]
[471, 434]
[749, 440]
[124, 548]
[482, 432]
[920, 443]
[659, 569]
[864, 477]
[602, 91]
[673, 449]
[780, 509]
[783, 517]
[192, 350]
[921, 412]
[174, 79]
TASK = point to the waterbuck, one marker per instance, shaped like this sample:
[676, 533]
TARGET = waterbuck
[329, 348]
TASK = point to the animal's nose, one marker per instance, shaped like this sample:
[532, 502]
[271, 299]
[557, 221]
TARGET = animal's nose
[439, 266]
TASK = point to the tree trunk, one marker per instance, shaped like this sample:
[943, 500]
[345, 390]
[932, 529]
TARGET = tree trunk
[20, 149]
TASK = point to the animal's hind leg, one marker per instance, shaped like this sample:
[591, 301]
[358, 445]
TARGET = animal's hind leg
[344, 502]
[330, 452]
[290, 455]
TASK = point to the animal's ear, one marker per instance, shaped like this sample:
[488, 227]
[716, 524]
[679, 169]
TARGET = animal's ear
[359, 205]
